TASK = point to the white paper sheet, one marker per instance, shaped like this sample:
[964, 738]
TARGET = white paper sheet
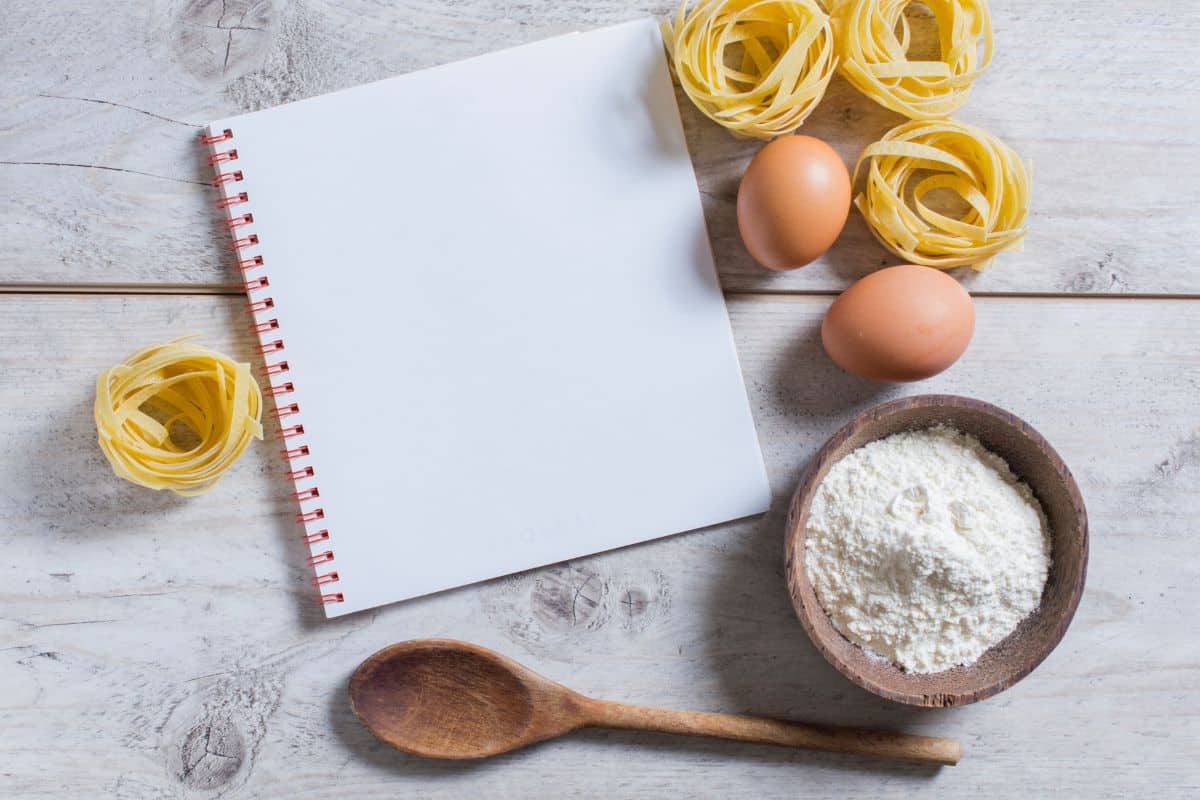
[500, 312]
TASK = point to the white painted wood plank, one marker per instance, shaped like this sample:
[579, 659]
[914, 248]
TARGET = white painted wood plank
[101, 177]
[152, 646]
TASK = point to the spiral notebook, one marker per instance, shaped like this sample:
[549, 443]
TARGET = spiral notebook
[489, 316]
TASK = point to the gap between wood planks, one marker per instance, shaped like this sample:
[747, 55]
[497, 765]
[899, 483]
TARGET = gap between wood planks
[234, 290]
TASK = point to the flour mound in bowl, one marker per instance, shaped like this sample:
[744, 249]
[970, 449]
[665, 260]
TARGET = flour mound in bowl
[924, 548]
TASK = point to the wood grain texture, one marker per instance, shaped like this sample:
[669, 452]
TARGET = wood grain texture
[103, 183]
[155, 646]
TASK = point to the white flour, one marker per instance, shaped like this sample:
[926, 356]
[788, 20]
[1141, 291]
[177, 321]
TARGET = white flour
[924, 547]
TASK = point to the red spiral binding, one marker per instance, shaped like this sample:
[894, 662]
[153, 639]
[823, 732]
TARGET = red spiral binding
[285, 411]
[245, 241]
[226, 177]
[222, 157]
[290, 432]
[295, 452]
[233, 200]
[220, 137]
[319, 536]
[263, 327]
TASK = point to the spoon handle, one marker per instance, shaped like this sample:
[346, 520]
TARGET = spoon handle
[885, 744]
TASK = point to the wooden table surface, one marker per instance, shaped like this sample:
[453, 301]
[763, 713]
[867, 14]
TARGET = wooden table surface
[159, 647]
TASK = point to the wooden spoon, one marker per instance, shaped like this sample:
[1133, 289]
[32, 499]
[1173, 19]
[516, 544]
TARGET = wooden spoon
[441, 698]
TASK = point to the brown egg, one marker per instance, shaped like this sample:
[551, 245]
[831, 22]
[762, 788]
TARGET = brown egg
[903, 323]
[792, 202]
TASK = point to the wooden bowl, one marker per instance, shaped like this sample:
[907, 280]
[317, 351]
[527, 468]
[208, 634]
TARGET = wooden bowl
[1033, 460]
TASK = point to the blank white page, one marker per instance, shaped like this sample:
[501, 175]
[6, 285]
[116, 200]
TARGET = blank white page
[500, 314]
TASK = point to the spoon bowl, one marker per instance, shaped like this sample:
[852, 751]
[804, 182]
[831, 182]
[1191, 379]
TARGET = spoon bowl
[446, 699]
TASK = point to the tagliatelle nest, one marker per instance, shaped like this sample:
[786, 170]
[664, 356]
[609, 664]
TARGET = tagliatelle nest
[920, 157]
[873, 38]
[757, 67]
[176, 390]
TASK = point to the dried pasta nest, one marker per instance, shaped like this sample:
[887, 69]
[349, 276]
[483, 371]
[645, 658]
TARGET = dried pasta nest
[918, 158]
[873, 38]
[758, 67]
[176, 416]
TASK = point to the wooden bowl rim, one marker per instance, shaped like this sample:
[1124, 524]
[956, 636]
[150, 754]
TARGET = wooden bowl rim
[797, 577]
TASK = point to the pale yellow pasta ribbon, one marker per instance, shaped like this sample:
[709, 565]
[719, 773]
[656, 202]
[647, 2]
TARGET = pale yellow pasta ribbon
[874, 55]
[158, 391]
[919, 157]
[758, 67]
